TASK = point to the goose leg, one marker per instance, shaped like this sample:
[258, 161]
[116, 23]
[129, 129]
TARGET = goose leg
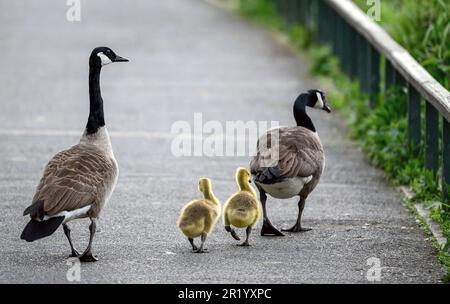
[248, 231]
[87, 255]
[191, 240]
[298, 226]
[201, 250]
[69, 238]
[267, 228]
[232, 232]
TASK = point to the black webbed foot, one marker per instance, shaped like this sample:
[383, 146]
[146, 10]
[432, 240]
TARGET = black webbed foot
[233, 233]
[269, 229]
[297, 228]
[201, 251]
[88, 257]
[244, 244]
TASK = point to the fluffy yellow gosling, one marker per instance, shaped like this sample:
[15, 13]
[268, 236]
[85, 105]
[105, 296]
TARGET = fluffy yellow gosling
[198, 217]
[242, 209]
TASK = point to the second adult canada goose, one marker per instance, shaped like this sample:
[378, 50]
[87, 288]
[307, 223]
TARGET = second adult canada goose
[242, 209]
[79, 181]
[199, 217]
[292, 160]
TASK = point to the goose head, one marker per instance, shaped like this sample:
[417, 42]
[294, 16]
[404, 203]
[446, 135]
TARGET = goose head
[244, 181]
[103, 55]
[242, 176]
[204, 185]
[313, 98]
[316, 99]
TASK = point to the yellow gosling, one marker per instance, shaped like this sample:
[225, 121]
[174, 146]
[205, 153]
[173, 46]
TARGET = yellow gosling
[242, 209]
[199, 217]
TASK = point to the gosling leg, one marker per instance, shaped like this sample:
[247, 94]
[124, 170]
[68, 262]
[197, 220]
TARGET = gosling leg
[233, 233]
[191, 240]
[69, 238]
[267, 228]
[203, 239]
[298, 225]
[248, 231]
[87, 255]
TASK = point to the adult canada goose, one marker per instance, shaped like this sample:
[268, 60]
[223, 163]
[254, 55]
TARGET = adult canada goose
[242, 209]
[78, 182]
[299, 158]
[198, 218]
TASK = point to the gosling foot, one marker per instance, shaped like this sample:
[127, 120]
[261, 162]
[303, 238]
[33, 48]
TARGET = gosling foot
[194, 248]
[244, 244]
[233, 233]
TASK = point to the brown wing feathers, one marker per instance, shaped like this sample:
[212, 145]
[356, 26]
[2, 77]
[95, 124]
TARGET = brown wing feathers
[71, 180]
[300, 154]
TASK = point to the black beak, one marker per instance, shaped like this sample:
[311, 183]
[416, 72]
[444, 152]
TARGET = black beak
[326, 108]
[120, 59]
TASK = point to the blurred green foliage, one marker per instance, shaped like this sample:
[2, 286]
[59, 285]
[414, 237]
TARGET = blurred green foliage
[423, 28]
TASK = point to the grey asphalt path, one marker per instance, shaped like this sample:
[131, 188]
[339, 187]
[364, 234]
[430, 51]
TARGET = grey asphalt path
[186, 56]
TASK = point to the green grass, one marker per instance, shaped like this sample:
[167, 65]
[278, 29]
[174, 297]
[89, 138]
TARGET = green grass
[423, 28]
[380, 131]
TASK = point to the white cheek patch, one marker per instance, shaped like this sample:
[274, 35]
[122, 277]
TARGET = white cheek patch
[105, 60]
[319, 103]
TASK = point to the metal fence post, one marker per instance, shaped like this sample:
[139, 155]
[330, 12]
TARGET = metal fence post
[389, 78]
[446, 160]
[353, 61]
[374, 75]
[431, 138]
[365, 66]
[346, 46]
[414, 120]
[319, 18]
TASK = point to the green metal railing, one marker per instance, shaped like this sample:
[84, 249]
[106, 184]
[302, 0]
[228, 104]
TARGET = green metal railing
[360, 44]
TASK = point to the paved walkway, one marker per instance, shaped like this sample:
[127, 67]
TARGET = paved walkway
[186, 56]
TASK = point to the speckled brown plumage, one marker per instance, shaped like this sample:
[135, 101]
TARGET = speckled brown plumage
[74, 178]
[300, 154]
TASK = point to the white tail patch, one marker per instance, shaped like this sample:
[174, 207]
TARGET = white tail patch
[71, 215]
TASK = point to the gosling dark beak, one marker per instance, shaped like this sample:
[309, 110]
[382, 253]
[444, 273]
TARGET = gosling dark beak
[120, 59]
[326, 108]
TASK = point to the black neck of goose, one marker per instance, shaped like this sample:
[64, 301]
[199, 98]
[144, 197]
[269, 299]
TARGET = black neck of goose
[96, 117]
[302, 119]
